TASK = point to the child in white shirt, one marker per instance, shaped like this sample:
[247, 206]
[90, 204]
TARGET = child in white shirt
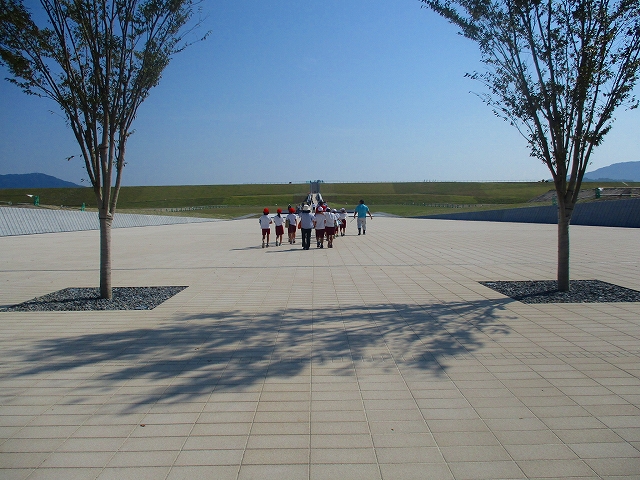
[278, 221]
[292, 219]
[330, 228]
[319, 224]
[265, 221]
[342, 217]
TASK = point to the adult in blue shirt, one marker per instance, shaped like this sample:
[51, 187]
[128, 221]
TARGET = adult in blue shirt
[361, 212]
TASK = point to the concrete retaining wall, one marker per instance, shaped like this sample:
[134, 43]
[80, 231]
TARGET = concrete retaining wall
[610, 213]
[28, 221]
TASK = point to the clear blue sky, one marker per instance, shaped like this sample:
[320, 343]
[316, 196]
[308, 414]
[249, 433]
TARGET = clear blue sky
[338, 90]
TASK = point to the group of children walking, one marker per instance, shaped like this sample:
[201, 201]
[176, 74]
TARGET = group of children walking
[327, 223]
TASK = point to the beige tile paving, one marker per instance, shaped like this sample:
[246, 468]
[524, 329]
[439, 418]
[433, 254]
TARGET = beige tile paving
[381, 358]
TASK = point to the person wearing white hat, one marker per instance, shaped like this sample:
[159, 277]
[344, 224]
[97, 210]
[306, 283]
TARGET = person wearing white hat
[342, 218]
[306, 225]
[319, 223]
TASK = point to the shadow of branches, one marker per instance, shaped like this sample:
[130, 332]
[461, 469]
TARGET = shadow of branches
[233, 350]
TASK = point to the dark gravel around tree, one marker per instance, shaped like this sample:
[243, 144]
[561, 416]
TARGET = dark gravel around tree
[580, 291]
[86, 299]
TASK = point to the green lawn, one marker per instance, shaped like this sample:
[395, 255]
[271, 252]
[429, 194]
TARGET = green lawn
[232, 201]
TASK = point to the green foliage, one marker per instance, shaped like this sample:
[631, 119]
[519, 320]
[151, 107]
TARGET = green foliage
[168, 196]
[433, 192]
[98, 60]
[556, 70]
[408, 196]
[72, 197]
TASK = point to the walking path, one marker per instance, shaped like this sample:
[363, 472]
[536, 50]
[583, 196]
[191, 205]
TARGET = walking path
[380, 358]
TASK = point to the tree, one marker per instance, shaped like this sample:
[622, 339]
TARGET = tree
[98, 60]
[556, 70]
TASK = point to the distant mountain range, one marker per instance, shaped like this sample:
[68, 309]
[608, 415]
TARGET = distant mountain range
[33, 180]
[625, 172]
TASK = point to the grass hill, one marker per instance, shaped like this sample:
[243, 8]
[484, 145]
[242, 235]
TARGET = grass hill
[400, 198]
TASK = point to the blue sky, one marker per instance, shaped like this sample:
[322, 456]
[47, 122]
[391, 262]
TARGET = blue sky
[289, 91]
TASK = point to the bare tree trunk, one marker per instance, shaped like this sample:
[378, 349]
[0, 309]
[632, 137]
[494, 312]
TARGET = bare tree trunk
[564, 218]
[106, 220]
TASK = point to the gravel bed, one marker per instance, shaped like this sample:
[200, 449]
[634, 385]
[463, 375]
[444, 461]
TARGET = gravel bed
[580, 291]
[85, 299]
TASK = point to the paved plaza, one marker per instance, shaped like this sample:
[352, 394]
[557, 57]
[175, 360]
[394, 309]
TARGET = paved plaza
[380, 358]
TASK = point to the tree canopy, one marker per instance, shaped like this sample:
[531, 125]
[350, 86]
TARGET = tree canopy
[557, 70]
[98, 60]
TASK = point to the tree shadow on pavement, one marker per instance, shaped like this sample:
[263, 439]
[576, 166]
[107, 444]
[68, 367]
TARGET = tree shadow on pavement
[233, 350]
